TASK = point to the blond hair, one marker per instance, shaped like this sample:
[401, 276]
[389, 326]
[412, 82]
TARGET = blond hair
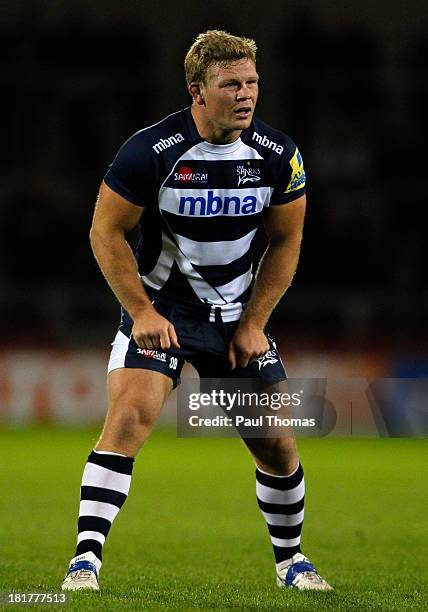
[216, 47]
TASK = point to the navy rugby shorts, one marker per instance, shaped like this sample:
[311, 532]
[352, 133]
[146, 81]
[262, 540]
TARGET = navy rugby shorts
[203, 343]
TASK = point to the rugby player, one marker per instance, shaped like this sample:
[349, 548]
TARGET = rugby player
[199, 184]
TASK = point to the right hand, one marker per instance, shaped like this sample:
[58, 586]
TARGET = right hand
[152, 331]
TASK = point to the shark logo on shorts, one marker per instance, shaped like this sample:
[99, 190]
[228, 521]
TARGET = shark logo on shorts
[267, 359]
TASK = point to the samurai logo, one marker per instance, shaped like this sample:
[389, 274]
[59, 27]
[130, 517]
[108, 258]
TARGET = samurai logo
[151, 354]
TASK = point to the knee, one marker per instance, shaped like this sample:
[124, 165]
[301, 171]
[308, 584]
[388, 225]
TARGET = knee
[279, 455]
[136, 398]
[130, 415]
[129, 422]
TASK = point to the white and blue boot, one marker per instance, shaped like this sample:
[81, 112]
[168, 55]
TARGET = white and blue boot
[299, 573]
[82, 573]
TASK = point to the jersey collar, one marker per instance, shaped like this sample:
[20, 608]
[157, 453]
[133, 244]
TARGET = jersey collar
[219, 149]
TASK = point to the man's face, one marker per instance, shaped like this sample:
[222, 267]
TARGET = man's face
[230, 94]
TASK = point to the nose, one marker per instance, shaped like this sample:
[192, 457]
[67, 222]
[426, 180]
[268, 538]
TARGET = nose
[243, 92]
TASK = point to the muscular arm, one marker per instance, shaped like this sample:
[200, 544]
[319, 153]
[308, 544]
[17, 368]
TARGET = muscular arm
[284, 226]
[113, 217]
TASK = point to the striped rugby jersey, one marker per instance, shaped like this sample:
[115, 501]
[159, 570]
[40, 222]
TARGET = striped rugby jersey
[203, 206]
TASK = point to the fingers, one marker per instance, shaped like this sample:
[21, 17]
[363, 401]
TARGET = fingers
[146, 342]
[150, 344]
[164, 340]
[232, 357]
[173, 336]
[244, 360]
[244, 357]
[260, 355]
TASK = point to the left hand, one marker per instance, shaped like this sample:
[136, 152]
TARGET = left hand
[248, 343]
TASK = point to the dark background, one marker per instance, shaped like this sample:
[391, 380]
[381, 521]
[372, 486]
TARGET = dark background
[346, 80]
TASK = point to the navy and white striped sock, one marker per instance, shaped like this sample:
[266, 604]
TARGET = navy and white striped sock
[281, 501]
[105, 487]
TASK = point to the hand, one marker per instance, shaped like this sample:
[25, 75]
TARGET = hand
[248, 343]
[152, 331]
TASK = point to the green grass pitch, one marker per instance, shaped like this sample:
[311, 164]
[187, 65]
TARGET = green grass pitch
[190, 536]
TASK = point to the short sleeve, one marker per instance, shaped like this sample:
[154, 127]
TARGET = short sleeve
[291, 180]
[132, 174]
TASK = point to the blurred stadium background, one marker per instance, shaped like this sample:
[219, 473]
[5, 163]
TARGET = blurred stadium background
[346, 80]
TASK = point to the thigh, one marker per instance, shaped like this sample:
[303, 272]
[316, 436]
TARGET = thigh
[136, 398]
[145, 390]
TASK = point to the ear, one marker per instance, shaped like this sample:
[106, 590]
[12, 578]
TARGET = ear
[195, 90]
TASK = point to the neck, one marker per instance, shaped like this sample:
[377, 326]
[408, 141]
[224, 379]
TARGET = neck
[210, 131]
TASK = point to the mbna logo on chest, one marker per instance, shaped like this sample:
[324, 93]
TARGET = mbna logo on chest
[217, 205]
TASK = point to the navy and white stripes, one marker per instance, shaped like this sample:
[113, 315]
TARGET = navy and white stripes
[105, 486]
[281, 501]
[203, 205]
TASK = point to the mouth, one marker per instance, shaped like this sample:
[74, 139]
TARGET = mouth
[243, 112]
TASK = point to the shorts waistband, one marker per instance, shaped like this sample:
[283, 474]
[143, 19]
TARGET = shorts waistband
[226, 313]
[214, 313]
